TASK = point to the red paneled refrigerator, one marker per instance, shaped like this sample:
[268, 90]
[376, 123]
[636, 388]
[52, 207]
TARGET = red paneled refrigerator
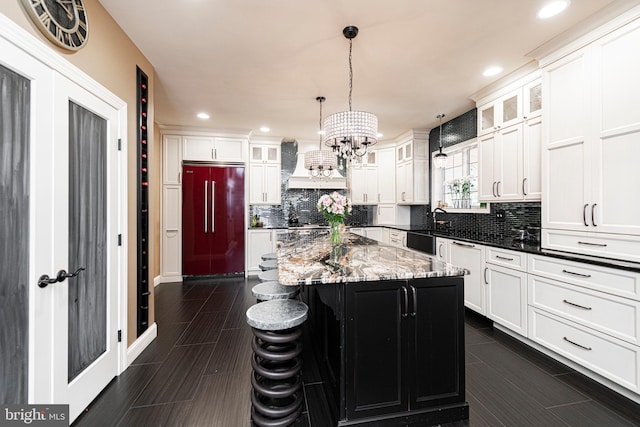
[213, 219]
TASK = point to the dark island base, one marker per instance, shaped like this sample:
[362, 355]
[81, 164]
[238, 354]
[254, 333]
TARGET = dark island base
[424, 418]
[390, 353]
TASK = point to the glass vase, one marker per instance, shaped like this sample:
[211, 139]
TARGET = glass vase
[335, 236]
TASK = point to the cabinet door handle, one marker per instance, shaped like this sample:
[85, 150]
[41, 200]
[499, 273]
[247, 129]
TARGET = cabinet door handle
[179, 177]
[576, 344]
[584, 215]
[504, 258]
[206, 205]
[576, 274]
[498, 188]
[406, 302]
[378, 197]
[213, 206]
[464, 245]
[576, 305]
[603, 245]
[440, 250]
[486, 282]
[524, 191]
[414, 293]
[593, 214]
[493, 189]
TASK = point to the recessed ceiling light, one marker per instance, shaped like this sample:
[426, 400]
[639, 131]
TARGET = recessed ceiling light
[203, 116]
[492, 71]
[553, 8]
[380, 135]
[264, 129]
[320, 132]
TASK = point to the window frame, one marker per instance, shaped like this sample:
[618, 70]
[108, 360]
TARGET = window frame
[437, 179]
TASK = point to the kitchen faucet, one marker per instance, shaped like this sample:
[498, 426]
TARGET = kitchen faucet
[434, 213]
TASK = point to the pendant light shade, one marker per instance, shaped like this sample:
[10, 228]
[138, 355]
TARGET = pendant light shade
[440, 159]
[350, 133]
[320, 163]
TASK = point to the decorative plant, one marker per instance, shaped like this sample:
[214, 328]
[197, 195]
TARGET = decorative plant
[334, 208]
[460, 189]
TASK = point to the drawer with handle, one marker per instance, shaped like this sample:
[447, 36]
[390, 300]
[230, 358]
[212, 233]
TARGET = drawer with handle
[623, 283]
[612, 315]
[506, 258]
[612, 358]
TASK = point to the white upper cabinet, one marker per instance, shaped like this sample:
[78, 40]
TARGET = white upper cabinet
[210, 148]
[264, 154]
[590, 157]
[386, 175]
[264, 174]
[412, 168]
[171, 159]
[509, 134]
[503, 112]
[532, 99]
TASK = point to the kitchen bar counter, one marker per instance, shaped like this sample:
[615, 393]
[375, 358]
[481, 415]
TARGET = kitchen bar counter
[305, 257]
[386, 326]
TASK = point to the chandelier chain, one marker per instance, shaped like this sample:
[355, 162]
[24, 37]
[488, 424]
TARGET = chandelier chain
[350, 73]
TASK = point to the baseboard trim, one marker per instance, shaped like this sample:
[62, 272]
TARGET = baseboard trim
[138, 346]
[166, 279]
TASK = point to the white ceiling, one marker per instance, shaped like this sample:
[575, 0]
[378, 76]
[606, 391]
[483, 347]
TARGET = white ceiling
[250, 63]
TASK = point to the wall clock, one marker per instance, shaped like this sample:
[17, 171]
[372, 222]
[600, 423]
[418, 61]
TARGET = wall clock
[64, 22]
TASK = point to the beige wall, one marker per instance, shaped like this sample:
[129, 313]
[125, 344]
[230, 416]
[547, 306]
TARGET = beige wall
[111, 58]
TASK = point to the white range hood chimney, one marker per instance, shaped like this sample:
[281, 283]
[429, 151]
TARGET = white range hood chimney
[300, 178]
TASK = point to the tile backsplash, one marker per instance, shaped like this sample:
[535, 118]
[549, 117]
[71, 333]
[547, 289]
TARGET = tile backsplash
[301, 203]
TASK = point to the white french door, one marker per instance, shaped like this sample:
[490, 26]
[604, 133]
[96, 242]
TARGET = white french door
[68, 206]
[84, 215]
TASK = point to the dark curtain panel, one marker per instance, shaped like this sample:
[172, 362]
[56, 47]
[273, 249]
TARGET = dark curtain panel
[87, 237]
[14, 236]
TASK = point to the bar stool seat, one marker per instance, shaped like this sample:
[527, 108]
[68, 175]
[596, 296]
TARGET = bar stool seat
[267, 291]
[276, 396]
[270, 264]
[270, 255]
[268, 276]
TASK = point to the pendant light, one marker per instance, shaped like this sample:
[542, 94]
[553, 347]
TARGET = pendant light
[440, 159]
[350, 133]
[320, 163]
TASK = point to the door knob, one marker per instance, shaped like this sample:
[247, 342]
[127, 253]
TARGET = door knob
[45, 280]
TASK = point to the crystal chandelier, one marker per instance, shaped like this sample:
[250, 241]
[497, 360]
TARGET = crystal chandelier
[440, 159]
[350, 133]
[320, 163]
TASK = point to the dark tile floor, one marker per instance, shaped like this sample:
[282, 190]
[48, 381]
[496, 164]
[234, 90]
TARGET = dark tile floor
[196, 373]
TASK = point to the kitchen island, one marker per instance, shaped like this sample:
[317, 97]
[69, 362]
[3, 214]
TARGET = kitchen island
[387, 328]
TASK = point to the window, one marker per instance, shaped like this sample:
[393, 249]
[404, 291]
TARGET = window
[461, 170]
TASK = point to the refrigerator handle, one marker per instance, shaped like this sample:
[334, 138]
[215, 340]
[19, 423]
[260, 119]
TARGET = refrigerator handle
[206, 204]
[213, 206]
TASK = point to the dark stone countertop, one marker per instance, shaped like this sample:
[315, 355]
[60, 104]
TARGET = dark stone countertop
[306, 257]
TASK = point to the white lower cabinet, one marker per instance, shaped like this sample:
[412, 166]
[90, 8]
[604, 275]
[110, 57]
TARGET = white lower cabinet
[259, 242]
[398, 238]
[614, 359]
[442, 249]
[589, 314]
[507, 297]
[471, 257]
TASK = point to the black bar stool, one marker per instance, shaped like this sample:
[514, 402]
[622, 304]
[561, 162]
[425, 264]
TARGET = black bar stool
[277, 384]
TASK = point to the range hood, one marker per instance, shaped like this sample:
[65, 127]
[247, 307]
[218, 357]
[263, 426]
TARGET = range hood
[300, 178]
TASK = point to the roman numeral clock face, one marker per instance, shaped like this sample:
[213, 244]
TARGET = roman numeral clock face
[64, 22]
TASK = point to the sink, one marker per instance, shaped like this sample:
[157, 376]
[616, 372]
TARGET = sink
[298, 226]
